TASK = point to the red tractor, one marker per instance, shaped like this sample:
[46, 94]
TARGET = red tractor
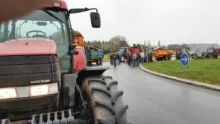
[180, 51]
[44, 77]
[133, 49]
[213, 53]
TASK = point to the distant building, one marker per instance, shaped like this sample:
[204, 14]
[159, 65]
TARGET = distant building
[201, 47]
[173, 46]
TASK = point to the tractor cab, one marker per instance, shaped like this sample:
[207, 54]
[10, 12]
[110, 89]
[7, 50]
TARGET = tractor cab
[36, 52]
[43, 78]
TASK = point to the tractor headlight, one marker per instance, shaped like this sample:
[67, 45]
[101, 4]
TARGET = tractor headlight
[29, 91]
[44, 89]
[39, 90]
[7, 93]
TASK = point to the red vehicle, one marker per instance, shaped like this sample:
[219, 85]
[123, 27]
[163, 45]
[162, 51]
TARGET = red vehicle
[180, 51]
[44, 77]
[213, 53]
[133, 50]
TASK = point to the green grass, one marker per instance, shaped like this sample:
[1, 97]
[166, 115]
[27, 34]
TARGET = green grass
[106, 57]
[207, 71]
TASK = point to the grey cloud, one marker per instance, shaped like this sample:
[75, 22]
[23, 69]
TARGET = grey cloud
[170, 21]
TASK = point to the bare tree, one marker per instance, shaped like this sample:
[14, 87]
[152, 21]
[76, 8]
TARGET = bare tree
[118, 41]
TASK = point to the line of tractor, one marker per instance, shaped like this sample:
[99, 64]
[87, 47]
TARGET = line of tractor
[44, 77]
[149, 54]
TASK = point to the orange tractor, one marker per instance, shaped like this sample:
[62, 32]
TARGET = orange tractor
[44, 78]
[162, 54]
[92, 54]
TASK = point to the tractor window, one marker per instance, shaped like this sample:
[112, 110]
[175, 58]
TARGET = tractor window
[183, 50]
[121, 50]
[2, 27]
[210, 51]
[40, 24]
[37, 25]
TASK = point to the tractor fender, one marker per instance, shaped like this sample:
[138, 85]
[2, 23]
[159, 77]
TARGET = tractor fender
[90, 71]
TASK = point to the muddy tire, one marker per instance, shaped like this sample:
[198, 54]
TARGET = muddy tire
[100, 61]
[105, 100]
[89, 63]
[166, 58]
[97, 62]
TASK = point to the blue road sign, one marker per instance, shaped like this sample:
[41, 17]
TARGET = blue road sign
[184, 59]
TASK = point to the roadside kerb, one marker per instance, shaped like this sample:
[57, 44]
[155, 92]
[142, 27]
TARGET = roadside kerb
[194, 83]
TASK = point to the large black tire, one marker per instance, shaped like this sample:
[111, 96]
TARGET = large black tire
[169, 57]
[166, 58]
[97, 62]
[158, 59]
[89, 63]
[106, 100]
[100, 61]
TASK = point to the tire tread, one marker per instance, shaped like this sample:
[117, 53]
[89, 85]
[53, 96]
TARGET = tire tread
[109, 98]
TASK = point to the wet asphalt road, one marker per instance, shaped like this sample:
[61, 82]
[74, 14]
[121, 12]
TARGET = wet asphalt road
[155, 100]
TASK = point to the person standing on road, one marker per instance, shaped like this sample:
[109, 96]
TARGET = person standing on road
[138, 58]
[111, 59]
[129, 58]
[115, 59]
[134, 59]
[142, 58]
[118, 59]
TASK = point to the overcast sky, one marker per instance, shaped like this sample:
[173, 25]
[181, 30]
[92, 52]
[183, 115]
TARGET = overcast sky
[170, 21]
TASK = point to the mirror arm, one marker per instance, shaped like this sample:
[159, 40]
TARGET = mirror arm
[94, 9]
[85, 9]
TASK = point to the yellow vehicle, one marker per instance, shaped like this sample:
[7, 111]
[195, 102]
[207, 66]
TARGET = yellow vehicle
[163, 54]
[92, 54]
[154, 57]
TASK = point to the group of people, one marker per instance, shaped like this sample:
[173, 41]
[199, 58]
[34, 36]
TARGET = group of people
[134, 58]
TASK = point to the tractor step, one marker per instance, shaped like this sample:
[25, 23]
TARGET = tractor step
[58, 117]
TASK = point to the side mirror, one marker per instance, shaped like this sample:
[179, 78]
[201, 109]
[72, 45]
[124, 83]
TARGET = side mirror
[95, 19]
[72, 46]
[73, 52]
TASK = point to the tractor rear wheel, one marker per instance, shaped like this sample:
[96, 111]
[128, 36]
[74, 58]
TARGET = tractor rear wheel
[169, 57]
[100, 61]
[97, 62]
[105, 100]
[89, 63]
[166, 58]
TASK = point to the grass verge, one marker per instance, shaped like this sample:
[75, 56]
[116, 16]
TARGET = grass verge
[206, 71]
[106, 57]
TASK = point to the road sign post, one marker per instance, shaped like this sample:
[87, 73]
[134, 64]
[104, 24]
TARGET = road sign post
[184, 60]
